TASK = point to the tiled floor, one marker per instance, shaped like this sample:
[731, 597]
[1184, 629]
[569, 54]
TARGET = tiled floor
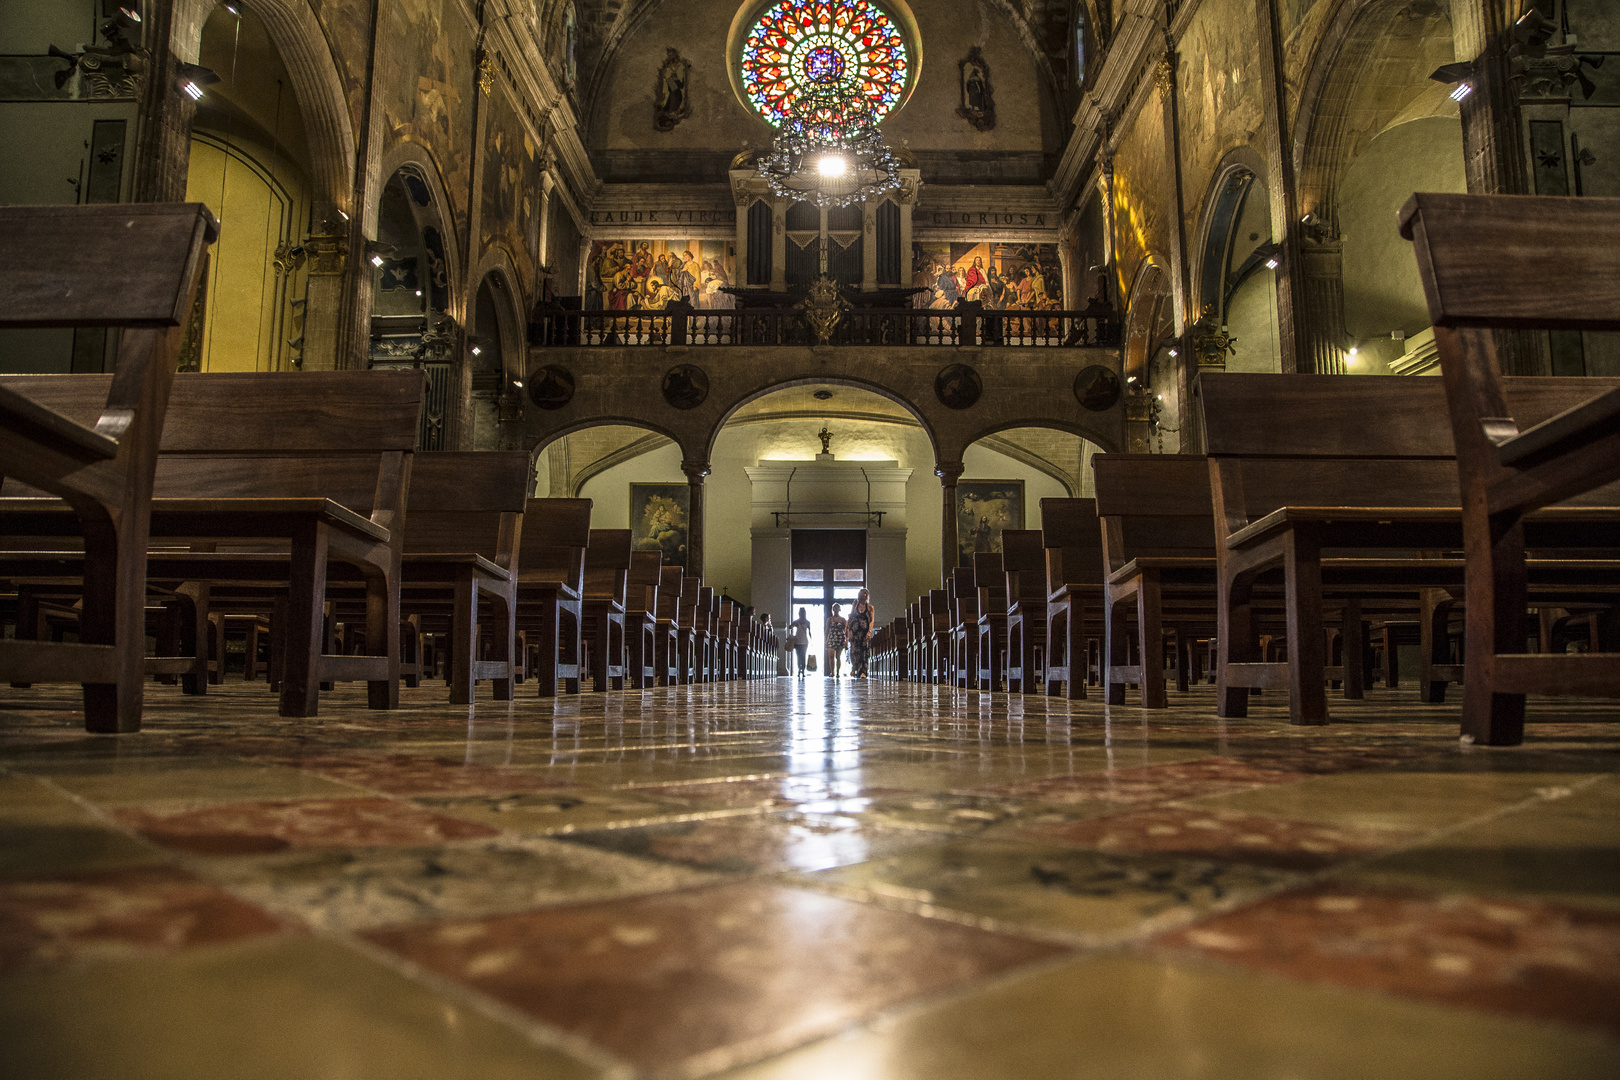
[804, 880]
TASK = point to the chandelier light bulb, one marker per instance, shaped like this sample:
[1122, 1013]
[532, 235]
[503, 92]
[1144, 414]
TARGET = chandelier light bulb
[833, 165]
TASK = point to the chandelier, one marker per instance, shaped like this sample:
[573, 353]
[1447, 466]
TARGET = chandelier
[830, 152]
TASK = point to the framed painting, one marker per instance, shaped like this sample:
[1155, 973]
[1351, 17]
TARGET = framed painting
[659, 514]
[984, 509]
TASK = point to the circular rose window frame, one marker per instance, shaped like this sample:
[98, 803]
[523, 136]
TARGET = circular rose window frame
[742, 24]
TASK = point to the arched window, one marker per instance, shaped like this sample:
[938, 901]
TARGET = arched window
[1080, 27]
[839, 48]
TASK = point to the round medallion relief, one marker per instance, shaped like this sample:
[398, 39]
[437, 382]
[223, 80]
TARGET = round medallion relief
[1096, 388]
[686, 386]
[958, 386]
[551, 387]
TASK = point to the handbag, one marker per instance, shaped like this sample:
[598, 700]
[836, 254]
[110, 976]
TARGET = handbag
[810, 662]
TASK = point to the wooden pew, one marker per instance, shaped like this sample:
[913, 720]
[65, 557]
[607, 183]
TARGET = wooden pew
[1158, 545]
[666, 628]
[1074, 574]
[990, 631]
[1566, 258]
[1300, 464]
[551, 581]
[463, 531]
[607, 578]
[132, 266]
[641, 617]
[1024, 559]
[262, 481]
[962, 641]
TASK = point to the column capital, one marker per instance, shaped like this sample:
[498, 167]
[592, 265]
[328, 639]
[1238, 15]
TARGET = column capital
[949, 472]
[695, 470]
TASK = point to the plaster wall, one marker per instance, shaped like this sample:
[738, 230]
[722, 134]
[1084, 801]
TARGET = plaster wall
[622, 116]
[1219, 94]
[1382, 292]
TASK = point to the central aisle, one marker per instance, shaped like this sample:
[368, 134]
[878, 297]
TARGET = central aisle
[803, 880]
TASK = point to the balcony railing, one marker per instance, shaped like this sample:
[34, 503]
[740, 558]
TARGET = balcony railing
[965, 324]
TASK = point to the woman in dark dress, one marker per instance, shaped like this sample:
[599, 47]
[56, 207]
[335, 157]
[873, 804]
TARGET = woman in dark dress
[861, 618]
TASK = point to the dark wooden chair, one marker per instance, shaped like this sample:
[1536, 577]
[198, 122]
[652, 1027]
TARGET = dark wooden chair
[1565, 254]
[1023, 556]
[641, 617]
[1074, 572]
[607, 581]
[1158, 537]
[463, 532]
[551, 581]
[264, 480]
[1303, 465]
[132, 266]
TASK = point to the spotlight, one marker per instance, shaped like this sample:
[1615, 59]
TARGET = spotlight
[518, 383]
[1463, 90]
[191, 78]
[1175, 352]
[832, 165]
[476, 350]
[130, 13]
[376, 260]
[1272, 263]
[418, 292]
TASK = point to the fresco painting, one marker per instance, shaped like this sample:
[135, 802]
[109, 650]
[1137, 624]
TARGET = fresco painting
[998, 275]
[649, 275]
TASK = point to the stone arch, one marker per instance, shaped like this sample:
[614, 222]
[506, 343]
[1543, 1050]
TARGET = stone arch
[814, 380]
[1075, 483]
[328, 123]
[1240, 176]
[416, 159]
[511, 309]
[574, 479]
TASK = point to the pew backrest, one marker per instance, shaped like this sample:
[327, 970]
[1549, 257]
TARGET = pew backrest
[607, 564]
[468, 501]
[1073, 540]
[1153, 505]
[555, 536]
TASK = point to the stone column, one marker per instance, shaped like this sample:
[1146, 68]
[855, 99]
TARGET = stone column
[327, 252]
[542, 244]
[695, 471]
[1283, 191]
[949, 472]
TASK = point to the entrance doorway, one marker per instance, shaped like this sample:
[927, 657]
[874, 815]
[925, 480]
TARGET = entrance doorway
[829, 567]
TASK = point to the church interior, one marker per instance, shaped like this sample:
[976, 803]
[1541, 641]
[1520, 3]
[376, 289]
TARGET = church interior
[777, 539]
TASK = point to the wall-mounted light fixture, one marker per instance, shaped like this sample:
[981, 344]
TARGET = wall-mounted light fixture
[190, 79]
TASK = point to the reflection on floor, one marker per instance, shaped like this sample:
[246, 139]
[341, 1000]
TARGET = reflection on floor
[804, 880]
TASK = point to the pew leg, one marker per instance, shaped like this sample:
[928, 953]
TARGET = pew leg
[1184, 652]
[303, 630]
[1302, 568]
[1119, 650]
[114, 613]
[546, 644]
[635, 657]
[1236, 644]
[194, 637]
[1497, 599]
[463, 628]
[1151, 628]
[216, 649]
[1434, 646]
[503, 632]
[1353, 643]
[1392, 658]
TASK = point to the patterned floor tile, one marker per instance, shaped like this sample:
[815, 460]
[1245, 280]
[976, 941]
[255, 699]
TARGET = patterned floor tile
[415, 774]
[1531, 959]
[1150, 784]
[118, 915]
[1228, 837]
[1084, 895]
[262, 827]
[689, 981]
[568, 810]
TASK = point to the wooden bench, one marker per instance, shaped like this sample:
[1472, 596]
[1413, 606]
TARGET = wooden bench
[463, 530]
[1565, 255]
[666, 628]
[1023, 557]
[1074, 572]
[1356, 466]
[1158, 546]
[990, 629]
[607, 582]
[132, 266]
[641, 617]
[261, 481]
[551, 581]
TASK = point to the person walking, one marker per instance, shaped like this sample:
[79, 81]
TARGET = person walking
[799, 634]
[837, 632]
[861, 619]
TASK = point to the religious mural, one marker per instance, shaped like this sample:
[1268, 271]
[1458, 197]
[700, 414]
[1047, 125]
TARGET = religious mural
[659, 514]
[984, 510]
[511, 185]
[998, 275]
[978, 103]
[649, 275]
[671, 103]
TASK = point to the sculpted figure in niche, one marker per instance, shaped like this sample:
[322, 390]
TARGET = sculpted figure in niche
[978, 102]
[671, 104]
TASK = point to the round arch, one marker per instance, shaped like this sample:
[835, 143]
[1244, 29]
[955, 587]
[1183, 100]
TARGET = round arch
[328, 123]
[811, 380]
[574, 479]
[1239, 178]
[510, 331]
[416, 160]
